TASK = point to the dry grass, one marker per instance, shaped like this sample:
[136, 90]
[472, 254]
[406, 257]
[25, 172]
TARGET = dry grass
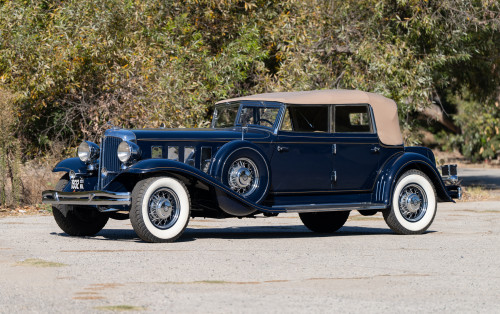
[474, 194]
[35, 178]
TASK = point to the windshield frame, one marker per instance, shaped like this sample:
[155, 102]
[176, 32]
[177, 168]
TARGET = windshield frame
[253, 104]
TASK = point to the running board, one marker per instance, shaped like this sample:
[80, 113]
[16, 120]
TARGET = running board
[310, 208]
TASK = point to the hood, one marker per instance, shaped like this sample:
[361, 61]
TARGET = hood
[207, 134]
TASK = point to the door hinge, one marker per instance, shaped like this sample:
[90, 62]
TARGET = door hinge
[334, 149]
[334, 176]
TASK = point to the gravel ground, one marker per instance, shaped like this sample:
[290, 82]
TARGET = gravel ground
[260, 265]
[257, 265]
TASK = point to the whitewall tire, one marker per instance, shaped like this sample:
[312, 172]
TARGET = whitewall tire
[413, 205]
[160, 209]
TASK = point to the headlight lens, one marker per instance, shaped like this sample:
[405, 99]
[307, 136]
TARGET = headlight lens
[128, 152]
[88, 151]
[124, 151]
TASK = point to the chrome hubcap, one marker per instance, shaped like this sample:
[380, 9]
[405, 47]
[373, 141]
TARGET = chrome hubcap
[163, 209]
[243, 176]
[412, 202]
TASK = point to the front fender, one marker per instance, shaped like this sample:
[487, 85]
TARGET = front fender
[228, 200]
[400, 163]
[69, 164]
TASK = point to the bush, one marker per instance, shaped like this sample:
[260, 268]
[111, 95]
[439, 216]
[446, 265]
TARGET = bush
[10, 152]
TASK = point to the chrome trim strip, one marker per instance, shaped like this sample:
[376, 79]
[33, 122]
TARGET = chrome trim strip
[330, 207]
[102, 198]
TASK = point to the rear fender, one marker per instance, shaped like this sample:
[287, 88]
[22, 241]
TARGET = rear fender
[398, 165]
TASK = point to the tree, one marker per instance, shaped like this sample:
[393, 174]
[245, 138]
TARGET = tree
[78, 65]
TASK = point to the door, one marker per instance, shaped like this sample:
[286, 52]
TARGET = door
[302, 158]
[357, 148]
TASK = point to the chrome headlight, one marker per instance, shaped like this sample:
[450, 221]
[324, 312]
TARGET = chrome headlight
[88, 151]
[128, 152]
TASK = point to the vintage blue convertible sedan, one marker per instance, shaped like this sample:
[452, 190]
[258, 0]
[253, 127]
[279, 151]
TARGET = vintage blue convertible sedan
[320, 154]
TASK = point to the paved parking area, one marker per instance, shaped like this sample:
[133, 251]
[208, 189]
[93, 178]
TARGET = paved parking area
[257, 265]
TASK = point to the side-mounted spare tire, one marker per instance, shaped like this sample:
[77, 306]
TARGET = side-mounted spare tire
[78, 220]
[246, 172]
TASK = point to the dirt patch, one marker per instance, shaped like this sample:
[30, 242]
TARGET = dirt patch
[39, 209]
[211, 282]
[120, 308]
[89, 297]
[101, 286]
[36, 262]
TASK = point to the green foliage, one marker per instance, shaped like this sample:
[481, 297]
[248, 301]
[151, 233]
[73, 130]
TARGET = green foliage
[79, 64]
[480, 123]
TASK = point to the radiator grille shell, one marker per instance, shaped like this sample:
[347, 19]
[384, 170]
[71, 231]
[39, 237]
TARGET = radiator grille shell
[109, 160]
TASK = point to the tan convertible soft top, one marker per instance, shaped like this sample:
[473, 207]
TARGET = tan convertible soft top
[384, 109]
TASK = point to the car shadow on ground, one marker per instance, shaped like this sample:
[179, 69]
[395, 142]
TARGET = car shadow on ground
[275, 232]
[247, 232]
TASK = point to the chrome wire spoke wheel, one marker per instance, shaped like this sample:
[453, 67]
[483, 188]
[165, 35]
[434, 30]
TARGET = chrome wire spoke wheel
[243, 176]
[160, 209]
[413, 205]
[163, 208]
[412, 202]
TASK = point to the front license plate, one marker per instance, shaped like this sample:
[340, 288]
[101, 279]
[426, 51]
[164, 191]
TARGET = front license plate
[77, 184]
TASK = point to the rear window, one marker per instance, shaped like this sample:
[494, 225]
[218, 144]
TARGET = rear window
[352, 119]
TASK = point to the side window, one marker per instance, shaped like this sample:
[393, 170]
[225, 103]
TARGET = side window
[305, 119]
[352, 119]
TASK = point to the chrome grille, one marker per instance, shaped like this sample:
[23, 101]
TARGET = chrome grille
[109, 160]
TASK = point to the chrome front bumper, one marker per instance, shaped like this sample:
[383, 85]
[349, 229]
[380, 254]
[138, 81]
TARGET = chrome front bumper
[100, 198]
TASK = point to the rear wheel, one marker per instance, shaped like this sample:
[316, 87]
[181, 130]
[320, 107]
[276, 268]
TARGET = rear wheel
[413, 205]
[77, 220]
[160, 209]
[324, 222]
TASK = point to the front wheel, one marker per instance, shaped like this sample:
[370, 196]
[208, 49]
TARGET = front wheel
[324, 222]
[413, 205]
[160, 209]
[77, 220]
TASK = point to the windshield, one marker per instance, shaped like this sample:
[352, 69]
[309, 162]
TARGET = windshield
[262, 116]
[227, 116]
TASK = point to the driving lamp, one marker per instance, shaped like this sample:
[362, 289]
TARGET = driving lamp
[88, 151]
[128, 152]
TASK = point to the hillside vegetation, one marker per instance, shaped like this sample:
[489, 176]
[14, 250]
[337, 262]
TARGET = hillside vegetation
[69, 67]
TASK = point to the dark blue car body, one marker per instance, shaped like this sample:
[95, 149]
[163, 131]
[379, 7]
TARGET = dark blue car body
[300, 170]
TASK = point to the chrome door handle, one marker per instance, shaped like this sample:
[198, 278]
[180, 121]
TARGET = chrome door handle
[282, 149]
[375, 149]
